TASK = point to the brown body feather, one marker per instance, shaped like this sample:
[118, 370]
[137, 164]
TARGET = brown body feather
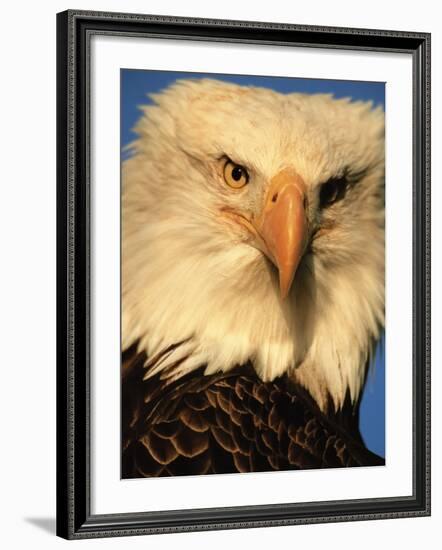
[228, 422]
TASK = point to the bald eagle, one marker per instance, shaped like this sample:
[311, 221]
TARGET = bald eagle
[252, 280]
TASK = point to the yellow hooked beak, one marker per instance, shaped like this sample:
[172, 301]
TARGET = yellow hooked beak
[282, 225]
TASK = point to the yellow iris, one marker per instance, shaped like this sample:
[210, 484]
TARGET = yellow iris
[235, 175]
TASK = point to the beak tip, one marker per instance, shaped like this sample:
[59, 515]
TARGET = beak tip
[284, 286]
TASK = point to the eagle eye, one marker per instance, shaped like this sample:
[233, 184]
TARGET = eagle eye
[235, 175]
[332, 191]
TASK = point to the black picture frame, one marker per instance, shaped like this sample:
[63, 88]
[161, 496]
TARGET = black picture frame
[74, 31]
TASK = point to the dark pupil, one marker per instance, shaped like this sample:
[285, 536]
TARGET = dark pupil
[328, 192]
[332, 191]
[237, 173]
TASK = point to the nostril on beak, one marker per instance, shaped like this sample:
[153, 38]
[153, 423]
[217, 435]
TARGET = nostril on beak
[275, 197]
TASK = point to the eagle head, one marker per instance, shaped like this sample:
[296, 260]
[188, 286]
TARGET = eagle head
[253, 232]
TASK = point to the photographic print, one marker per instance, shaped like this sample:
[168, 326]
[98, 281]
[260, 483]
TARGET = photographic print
[252, 273]
[243, 274]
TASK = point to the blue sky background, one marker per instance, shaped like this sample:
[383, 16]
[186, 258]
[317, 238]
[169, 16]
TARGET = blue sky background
[135, 84]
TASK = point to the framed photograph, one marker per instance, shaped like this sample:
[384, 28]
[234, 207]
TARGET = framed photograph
[243, 274]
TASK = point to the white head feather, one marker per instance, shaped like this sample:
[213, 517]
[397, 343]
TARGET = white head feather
[191, 276]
